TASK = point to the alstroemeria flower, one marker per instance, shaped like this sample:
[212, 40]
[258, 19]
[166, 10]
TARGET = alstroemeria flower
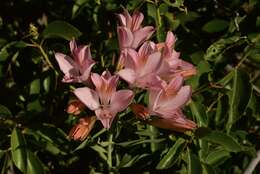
[141, 67]
[131, 34]
[172, 64]
[77, 67]
[105, 100]
[166, 104]
[163, 102]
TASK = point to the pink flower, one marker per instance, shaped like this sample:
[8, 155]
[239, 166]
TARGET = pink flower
[141, 67]
[171, 64]
[131, 34]
[166, 104]
[76, 69]
[105, 100]
[163, 102]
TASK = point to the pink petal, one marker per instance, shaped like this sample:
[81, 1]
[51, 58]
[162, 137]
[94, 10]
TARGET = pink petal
[125, 37]
[73, 46]
[97, 80]
[170, 39]
[86, 74]
[120, 100]
[137, 19]
[152, 64]
[132, 59]
[141, 35]
[166, 105]
[122, 19]
[88, 96]
[146, 49]
[67, 65]
[149, 81]
[174, 85]
[128, 18]
[128, 75]
[105, 116]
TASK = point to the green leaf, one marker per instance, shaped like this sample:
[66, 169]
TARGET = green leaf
[194, 166]
[77, 6]
[5, 112]
[216, 50]
[18, 150]
[198, 111]
[35, 86]
[128, 160]
[217, 157]
[100, 150]
[239, 97]
[171, 156]
[228, 142]
[61, 29]
[215, 25]
[34, 165]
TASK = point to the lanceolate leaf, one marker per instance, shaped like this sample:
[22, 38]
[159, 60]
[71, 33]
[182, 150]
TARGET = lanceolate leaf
[228, 142]
[198, 111]
[171, 156]
[61, 29]
[239, 97]
[18, 150]
[217, 156]
[194, 165]
[22, 157]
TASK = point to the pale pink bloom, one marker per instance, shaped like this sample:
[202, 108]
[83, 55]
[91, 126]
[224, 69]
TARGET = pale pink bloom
[164, 102]
[141, 67]
[131, 34]
[77, 67]
[81, 130]
[105, 100]
[172, 65]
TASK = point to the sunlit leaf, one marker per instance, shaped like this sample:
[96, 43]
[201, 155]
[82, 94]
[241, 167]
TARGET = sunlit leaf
[61, 29]
[239, 97]
[171, 156]
[228, 142]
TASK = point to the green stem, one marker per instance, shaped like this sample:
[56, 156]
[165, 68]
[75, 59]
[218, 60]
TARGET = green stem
[45, 56]
[109, 152]
[158, 20]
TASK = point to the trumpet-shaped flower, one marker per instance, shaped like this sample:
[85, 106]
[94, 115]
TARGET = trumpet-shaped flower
[163, 102]
[171, 64]
[105, 100]
[77, 67]
[141, 67]
[166, 104]
[131, 34]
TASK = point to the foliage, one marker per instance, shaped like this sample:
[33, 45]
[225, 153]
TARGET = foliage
[221, 38]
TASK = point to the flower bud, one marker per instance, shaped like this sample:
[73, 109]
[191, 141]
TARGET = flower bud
[175, 124]
[81, 130]
[140, 111]
[75, 107]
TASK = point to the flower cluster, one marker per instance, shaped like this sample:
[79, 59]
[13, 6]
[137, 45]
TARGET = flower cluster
[154, 67]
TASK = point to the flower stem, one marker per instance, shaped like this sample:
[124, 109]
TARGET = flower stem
[109, 152]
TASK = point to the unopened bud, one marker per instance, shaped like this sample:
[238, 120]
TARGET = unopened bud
[75, 107]
[81, 130]
[140, 111]
[175, 124]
